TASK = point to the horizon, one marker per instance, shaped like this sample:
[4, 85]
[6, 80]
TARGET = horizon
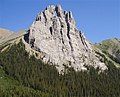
[98, 20]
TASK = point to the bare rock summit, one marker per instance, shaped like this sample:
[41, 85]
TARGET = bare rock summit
[54, 33]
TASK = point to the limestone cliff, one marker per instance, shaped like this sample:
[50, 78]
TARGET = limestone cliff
[54, 33]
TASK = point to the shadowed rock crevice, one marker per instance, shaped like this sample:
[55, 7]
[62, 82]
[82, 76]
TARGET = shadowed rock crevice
[45, 17]
[62, 36]
[26, 36]
[57, 11]
[68, 30]
[83, 40]
[51, 30]
[32, 42]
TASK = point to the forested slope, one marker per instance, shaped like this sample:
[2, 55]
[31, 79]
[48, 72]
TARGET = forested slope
[22, 75]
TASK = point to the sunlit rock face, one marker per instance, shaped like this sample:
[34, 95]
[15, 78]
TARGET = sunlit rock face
[54, 33]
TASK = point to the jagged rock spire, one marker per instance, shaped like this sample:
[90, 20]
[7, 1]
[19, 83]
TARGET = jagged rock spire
[55, 34]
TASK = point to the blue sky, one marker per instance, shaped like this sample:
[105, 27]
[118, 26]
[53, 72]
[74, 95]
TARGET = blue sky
[98, 19]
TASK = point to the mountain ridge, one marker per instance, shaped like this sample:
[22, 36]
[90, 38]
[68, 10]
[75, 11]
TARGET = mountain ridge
[110, 47]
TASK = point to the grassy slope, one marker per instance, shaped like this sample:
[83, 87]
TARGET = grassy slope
[110, 45]
[111, 48]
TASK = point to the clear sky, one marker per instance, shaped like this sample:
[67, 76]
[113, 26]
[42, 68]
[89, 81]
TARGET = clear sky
[98, 19]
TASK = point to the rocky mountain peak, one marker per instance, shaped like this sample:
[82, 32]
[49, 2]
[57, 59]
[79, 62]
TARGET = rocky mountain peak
[54, 34]
[53, 12]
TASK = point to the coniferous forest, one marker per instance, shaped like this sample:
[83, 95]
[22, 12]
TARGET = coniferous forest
[22, 75]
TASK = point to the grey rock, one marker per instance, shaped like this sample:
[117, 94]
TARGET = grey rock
[54, 33]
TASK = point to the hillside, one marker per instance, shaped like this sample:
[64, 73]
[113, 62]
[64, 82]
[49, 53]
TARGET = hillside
[4, 34]
[111, 48]
[7, 36]
[26, 76]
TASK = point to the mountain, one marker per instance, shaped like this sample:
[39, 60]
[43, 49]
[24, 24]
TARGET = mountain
[4, 34]
[54, 34]
[22, 75]
[111, 47]
[54, 59]
[8, 36]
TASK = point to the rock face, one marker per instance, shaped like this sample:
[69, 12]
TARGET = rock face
[54, 33]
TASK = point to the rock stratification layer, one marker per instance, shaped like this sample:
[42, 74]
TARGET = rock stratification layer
[54, 33]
